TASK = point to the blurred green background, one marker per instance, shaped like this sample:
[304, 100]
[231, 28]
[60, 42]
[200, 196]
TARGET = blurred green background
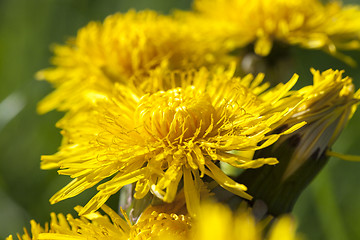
[328, 209]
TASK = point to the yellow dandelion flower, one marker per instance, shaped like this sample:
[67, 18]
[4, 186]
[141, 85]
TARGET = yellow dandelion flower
[218, 222]
[156, 140]
[215, 221]
[124, 45]
[90, 227]
[154, 223]
[308, 23]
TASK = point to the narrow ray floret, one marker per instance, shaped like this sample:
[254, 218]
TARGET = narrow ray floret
[171, 137]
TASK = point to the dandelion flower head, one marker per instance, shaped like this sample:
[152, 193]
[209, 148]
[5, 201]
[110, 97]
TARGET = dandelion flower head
[92, 226]
[309, 23]
[124, 45]
[160, 139]
[153, 224]
[215, 221]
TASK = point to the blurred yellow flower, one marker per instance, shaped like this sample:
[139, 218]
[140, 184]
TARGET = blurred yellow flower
[90, 227]
[218, 222]
[308, 23]
[156, 140]
[124, 45]
[215, 221]
[153, 224]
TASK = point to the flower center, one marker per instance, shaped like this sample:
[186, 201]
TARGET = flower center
[175, 114]
[156, 225]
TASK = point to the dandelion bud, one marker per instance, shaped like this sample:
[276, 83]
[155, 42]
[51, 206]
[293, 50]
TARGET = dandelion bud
[328, 105]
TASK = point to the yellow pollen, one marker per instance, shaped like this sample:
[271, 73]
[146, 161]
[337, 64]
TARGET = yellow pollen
[176, 114]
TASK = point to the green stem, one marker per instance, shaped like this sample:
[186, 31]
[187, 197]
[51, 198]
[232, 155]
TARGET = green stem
[327, 208]
[268, 184]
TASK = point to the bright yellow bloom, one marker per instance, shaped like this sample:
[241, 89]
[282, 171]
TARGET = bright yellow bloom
[218, 222]
[93, 226]
[330, 103]
[156, 140]
[153, 224]
[215, 222]
[308, 23]
[123, 46]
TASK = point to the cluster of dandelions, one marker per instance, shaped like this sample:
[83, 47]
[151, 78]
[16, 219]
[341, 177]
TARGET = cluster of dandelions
[161, 106]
